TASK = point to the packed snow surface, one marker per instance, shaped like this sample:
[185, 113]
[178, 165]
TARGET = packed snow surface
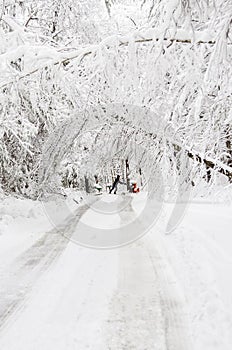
[159, 292]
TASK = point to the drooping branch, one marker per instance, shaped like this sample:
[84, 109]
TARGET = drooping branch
[212, 164]
[209, 163]
[138, 37]
[196, 156]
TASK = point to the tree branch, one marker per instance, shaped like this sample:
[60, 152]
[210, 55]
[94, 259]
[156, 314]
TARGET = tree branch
[208, 162]
[109, 42]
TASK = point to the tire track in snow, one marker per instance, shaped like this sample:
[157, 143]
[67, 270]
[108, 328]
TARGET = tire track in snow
[172, 301]
[147, 311]
[135, 320]
[18, 279]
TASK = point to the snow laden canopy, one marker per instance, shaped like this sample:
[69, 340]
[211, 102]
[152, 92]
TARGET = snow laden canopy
[155, 72]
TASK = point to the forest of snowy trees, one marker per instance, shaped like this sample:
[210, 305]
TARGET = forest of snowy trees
[81, 82]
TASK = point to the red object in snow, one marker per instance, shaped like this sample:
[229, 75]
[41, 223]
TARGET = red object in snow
[135, 189]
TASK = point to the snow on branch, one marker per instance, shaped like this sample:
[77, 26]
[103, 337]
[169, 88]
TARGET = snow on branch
[209, 162]
[169, 138]
[38, 57]
[126, 117]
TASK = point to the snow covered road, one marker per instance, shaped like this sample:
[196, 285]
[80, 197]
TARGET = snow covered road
[19, 276]
[147, 311]
[61, 295]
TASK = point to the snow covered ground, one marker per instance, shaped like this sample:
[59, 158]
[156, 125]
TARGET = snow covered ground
[160, 292]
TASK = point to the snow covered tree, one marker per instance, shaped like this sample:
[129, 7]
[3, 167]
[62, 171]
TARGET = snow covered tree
[171, 59]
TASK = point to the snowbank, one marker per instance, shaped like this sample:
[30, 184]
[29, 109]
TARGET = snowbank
[21, 223]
